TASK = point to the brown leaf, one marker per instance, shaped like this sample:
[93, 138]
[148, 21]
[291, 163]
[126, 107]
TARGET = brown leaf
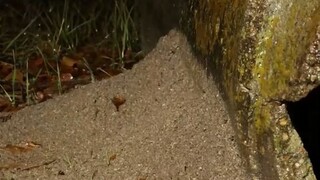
[16, 149]
[35, 65]
[66, 77]
[42, 96]
[44, 81]
[69, 65]
[18, 77]
[39, 96]
[69, 62]
[128, 53]
[5, 69]
[112, 158]
[4, 103]
[32, 144]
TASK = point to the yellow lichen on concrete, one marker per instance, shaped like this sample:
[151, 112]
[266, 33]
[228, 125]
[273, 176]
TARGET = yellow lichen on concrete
[261, 116]
[256, 48]
[207, 23]
[278, 52]
[217, 34]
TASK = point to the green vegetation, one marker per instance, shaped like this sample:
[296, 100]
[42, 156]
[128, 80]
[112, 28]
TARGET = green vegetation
[51, 30]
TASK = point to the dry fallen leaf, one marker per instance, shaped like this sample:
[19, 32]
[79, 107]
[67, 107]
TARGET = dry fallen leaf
[4, 103]
[66, 77]
[15, 149]
[112, 158]
[118, 100]
[5, 69]
[16, 76]
[32, 144]
[35, 65]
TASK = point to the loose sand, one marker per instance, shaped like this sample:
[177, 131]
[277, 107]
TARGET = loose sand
[171, 127]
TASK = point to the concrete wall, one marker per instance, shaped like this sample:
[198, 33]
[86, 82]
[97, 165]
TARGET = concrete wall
[262, 54]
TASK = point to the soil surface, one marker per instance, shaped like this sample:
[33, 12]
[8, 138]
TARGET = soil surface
[171, 126]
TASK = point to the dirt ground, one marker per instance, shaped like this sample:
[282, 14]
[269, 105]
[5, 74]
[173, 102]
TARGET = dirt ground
[171, 126]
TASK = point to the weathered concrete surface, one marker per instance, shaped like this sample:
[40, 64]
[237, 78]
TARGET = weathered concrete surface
[262, 53]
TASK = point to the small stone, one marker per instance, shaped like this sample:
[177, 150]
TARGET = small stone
[301, 161]
[285, 136]
[313, 78]
[283, 122]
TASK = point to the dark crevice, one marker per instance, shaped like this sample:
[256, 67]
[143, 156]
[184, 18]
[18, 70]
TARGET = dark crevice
[305, 117]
